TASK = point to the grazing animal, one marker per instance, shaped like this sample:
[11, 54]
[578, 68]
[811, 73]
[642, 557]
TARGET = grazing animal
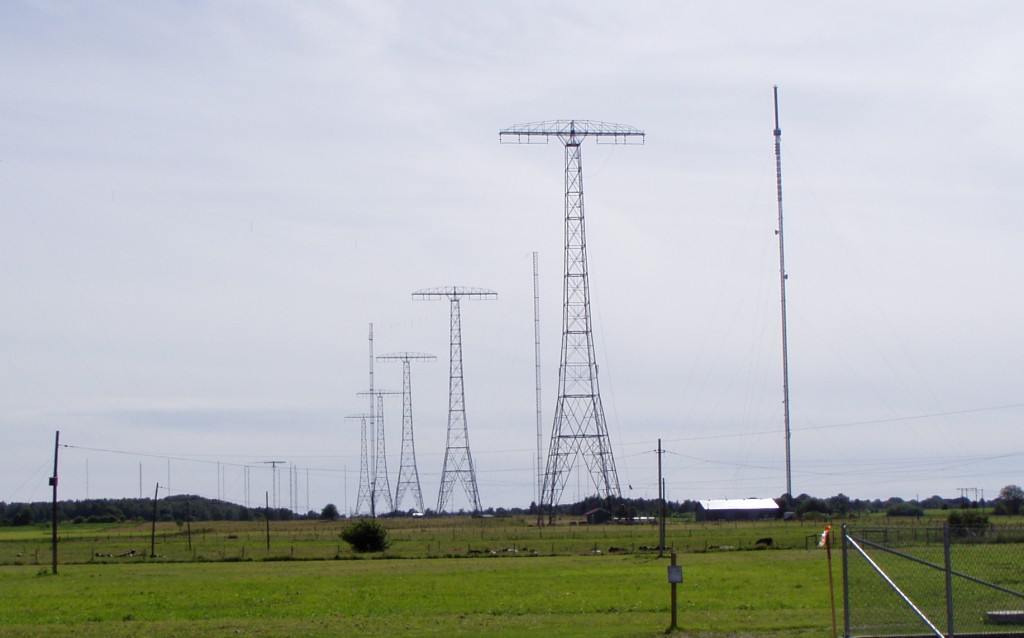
[764, 542]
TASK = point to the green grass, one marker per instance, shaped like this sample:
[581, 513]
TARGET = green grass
[741, 594]
[411, 538]
[454, 579]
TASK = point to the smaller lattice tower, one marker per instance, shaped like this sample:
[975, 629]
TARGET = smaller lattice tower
[458, 461]
[363, 502]
[408, 475]
[380, 487]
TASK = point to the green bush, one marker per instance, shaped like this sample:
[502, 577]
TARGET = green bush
[366, 535]
[904, 509]
[968, 519]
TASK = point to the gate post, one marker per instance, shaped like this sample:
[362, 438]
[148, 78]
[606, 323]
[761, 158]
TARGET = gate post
[950, 630]
[846, 589]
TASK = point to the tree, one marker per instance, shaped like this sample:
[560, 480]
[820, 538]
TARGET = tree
[329, 513]
[366, 535]
[1011, 500]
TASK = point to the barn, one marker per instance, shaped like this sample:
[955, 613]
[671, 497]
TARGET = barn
[743, 509]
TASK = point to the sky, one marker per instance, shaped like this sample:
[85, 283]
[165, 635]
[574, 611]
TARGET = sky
[204, 205]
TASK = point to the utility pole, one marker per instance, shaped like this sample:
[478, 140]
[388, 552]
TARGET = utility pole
[661, 507]
[408, 474]
[782, 286]
[458, 461]
[579, 426]
[152, 529]
[53, 483]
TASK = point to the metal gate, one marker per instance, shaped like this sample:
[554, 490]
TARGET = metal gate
[933, 581]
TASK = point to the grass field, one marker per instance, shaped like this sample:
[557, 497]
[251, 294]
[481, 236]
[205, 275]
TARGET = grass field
[736, 594]
[441, 577]
[411, 538]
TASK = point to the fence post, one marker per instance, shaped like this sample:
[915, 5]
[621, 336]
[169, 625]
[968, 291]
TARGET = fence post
[846, 589]
[950, 630]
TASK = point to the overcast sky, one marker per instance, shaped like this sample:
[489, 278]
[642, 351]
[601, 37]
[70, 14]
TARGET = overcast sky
[204, 205]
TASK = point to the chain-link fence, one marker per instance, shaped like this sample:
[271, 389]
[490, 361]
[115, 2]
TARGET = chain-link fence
[933, 581]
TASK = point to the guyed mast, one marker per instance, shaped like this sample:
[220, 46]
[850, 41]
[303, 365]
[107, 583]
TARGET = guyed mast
[782, 287]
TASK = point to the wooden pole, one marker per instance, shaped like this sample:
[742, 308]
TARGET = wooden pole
[152, 532]
[53, 482]
[661, 507]
[188, 522]
[827, 539]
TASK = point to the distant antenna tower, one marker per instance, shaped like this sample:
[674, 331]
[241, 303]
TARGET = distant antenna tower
[782, 286]
[274, 483]
[380, 487]
[363, 502]
[458, 462]
[536, 374]
[579, 425]
[408, 475]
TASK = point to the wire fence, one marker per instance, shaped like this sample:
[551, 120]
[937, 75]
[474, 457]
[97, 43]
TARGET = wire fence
[934, 581]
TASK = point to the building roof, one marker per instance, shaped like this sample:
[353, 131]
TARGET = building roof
[739, 504]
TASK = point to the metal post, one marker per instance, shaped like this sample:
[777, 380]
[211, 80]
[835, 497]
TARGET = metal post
[846, 587]
[674, 624]
[950, 629]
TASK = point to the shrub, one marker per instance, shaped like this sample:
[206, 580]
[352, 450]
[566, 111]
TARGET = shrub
[366, 535]
[904, 509]
[968, 519]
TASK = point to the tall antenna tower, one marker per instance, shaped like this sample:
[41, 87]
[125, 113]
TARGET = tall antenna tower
[380, 486]
[782, 286]
[579, 425]
[408, 475]
[363, 501]
[458, 462]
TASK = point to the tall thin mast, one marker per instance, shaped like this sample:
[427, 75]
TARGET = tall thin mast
[536, 359]
[782, 286]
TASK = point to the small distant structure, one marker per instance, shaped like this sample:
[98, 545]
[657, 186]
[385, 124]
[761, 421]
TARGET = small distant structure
[598, 516]
[741, 509]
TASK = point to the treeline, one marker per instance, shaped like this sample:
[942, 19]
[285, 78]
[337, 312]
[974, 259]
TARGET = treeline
[1010, 501]
[173, 508]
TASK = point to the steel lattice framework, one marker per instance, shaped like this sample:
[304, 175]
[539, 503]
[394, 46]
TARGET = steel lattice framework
[380, 486]
[408, 475]
[458, 461]
[363, 501]
[579, 424]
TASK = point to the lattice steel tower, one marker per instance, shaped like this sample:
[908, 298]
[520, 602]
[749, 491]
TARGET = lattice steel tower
[380, 486]
[408, 475]
[458, 461]
[363, 502]
[579, 426]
